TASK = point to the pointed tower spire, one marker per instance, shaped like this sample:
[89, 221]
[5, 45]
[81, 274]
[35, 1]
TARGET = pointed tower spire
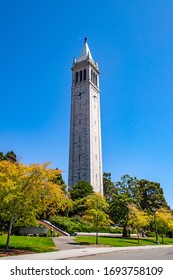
[85, 52]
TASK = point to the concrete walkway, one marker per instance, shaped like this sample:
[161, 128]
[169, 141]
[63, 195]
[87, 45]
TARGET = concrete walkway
[68, 249]
[67, 243]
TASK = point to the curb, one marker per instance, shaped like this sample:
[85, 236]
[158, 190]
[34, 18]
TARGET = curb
[75, 253]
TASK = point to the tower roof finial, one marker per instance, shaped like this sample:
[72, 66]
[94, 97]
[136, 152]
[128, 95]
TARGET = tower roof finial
[85, 54]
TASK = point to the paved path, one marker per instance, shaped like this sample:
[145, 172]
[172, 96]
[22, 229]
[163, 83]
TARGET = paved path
[68, 250]
[66, 243]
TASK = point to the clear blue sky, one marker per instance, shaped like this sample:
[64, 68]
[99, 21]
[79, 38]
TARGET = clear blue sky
[133, 43]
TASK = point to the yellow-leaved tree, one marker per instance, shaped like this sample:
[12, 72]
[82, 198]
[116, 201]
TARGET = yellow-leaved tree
[96, 212]
[28, 191]
[138, 219]
[164, 220]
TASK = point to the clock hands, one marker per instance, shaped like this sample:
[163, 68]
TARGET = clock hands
[78, 94]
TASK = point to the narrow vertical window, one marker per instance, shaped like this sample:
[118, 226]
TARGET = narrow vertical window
[96, 80]
[80, 76]
[84, 74]
[91, 76]
[76, 77]
[95, 77]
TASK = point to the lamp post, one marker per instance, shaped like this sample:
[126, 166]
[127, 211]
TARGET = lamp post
[155, 223]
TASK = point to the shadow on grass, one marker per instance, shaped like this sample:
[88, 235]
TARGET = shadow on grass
[134, 241]
[79, 243]
[119, 242]
[29, 249]
[84, 243]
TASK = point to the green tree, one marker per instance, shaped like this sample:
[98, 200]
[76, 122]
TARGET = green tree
[1, 156]
[95, 214]
[126, 193]
[81, 190]
[59, 180]
[151, 195]
[26, 192]
[129, 186]
[119, 210]
[79, 194]
[78, 206]
[11, 156]
[108, 186]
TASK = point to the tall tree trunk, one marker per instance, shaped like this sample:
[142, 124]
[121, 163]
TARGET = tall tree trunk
[125, 231]
[97, 237]
[97, 230]
[138, 236]
[9, 233]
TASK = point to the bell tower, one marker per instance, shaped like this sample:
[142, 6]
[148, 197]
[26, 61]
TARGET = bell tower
[85, 155]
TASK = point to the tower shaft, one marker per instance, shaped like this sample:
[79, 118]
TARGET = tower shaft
[85, 156]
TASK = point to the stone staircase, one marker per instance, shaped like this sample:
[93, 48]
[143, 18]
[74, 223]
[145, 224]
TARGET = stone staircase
[51, 226]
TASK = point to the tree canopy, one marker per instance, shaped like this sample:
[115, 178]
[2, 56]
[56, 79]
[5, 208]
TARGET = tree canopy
[81, 190]
[28, 192]
[95, 213]
[145, 194]
[138, 219]
[9, 156]
[59, 181]
[164, 220]
[151, 195]
[108, 186]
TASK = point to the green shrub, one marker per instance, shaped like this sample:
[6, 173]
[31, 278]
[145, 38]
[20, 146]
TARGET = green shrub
[66, 224]
[76, 224]
[149, 233]
[116, 230]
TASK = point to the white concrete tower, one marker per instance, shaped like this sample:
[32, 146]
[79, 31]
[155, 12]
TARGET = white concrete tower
[85, 157]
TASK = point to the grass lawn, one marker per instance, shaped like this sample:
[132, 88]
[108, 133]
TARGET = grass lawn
[35, 244]
[122, 242]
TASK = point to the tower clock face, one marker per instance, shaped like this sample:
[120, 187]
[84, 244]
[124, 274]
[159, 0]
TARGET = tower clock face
[79, 94]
